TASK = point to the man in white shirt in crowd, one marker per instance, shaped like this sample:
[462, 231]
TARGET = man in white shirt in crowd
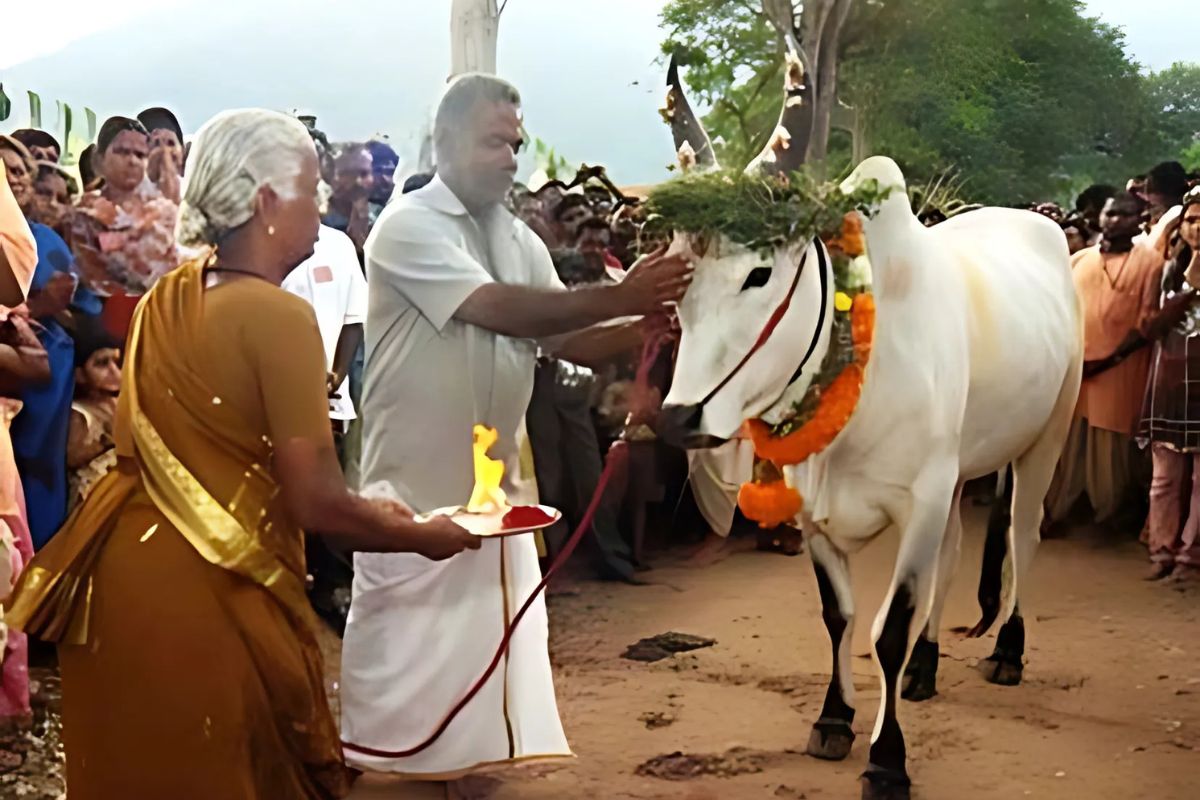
[332, 281]
[461, 295]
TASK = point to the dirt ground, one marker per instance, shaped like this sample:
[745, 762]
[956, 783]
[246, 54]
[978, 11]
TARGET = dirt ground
[1110, 707]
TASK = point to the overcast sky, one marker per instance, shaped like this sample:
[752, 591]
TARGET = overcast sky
[586, 68]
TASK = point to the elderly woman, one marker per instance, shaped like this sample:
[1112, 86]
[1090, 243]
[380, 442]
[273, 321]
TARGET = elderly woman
[123, 234]
[190, 666]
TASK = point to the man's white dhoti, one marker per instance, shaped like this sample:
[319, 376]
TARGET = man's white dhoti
[421, 633]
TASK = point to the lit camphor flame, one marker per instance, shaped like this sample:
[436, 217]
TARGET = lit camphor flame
[487, 497]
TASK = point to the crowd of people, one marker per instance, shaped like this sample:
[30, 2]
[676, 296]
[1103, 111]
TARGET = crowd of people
[85, 466]
[1129, 458]
[223, 431]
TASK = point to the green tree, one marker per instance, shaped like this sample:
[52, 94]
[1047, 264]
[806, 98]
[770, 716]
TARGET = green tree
[736, 48]
[1175, 96]
[1191, 156]
[734, 67]
[1025, 99]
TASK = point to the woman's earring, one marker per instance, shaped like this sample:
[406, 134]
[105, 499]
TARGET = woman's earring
[270, 230]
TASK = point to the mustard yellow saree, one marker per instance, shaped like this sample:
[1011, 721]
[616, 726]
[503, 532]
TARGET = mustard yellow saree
[176, 591]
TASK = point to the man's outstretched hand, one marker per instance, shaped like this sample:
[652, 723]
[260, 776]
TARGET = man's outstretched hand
[655, 281]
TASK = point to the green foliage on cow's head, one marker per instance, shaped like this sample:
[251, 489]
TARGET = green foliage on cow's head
[757, 211]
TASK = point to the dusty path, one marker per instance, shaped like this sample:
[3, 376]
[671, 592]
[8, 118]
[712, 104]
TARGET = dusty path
[1110, 709]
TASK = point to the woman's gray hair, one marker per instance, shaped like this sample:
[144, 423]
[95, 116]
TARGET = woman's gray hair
[234, 155]
[462, 96]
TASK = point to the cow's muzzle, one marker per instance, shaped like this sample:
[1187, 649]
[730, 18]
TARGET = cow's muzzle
[679, 426]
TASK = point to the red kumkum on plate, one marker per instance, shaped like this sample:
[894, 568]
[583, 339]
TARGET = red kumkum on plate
[494, 524]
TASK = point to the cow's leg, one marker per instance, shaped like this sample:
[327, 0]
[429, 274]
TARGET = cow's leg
[1032, 474]
[901, 618]
[995, 550]
[920, 677]
[1006, 665]
[832, 736]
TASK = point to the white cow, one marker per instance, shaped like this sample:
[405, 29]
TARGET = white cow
[976, 364]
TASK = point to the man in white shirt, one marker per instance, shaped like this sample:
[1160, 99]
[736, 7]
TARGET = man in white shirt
[461, 294]
[332, 281]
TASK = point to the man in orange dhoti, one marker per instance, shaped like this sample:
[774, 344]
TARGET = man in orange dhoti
[1112, 279]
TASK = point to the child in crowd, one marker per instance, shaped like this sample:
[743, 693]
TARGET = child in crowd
[91, 452]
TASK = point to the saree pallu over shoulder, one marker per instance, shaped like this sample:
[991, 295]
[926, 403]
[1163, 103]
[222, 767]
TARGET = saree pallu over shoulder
[166, 411]
[218, 532]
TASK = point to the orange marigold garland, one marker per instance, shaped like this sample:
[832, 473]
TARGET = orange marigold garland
[819, 417]
[851, 240]
[768, 500]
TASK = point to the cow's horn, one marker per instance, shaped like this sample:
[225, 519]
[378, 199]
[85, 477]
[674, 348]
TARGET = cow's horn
[787, 148]
[693, 148]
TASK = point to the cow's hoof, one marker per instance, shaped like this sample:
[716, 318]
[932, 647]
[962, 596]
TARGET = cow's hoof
[919, 688]
[1002, 670]
[830, 740]
[920, 678]
[885, 784]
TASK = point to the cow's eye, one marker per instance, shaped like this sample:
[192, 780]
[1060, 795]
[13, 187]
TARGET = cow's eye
[757, 277]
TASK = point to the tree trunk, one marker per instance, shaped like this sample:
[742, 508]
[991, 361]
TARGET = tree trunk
[813, 19]
[853, 121]
[474, 31]
[474, 34]
[826, 65]
[781, 14]
[821, 23]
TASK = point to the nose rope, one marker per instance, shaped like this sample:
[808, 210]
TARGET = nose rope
[816, 337]
[777, 317]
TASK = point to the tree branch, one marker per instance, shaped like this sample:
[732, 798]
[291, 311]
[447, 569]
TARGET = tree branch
[738, 114]
[768, 73]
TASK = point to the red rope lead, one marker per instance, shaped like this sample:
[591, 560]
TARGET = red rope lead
[618, 455]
